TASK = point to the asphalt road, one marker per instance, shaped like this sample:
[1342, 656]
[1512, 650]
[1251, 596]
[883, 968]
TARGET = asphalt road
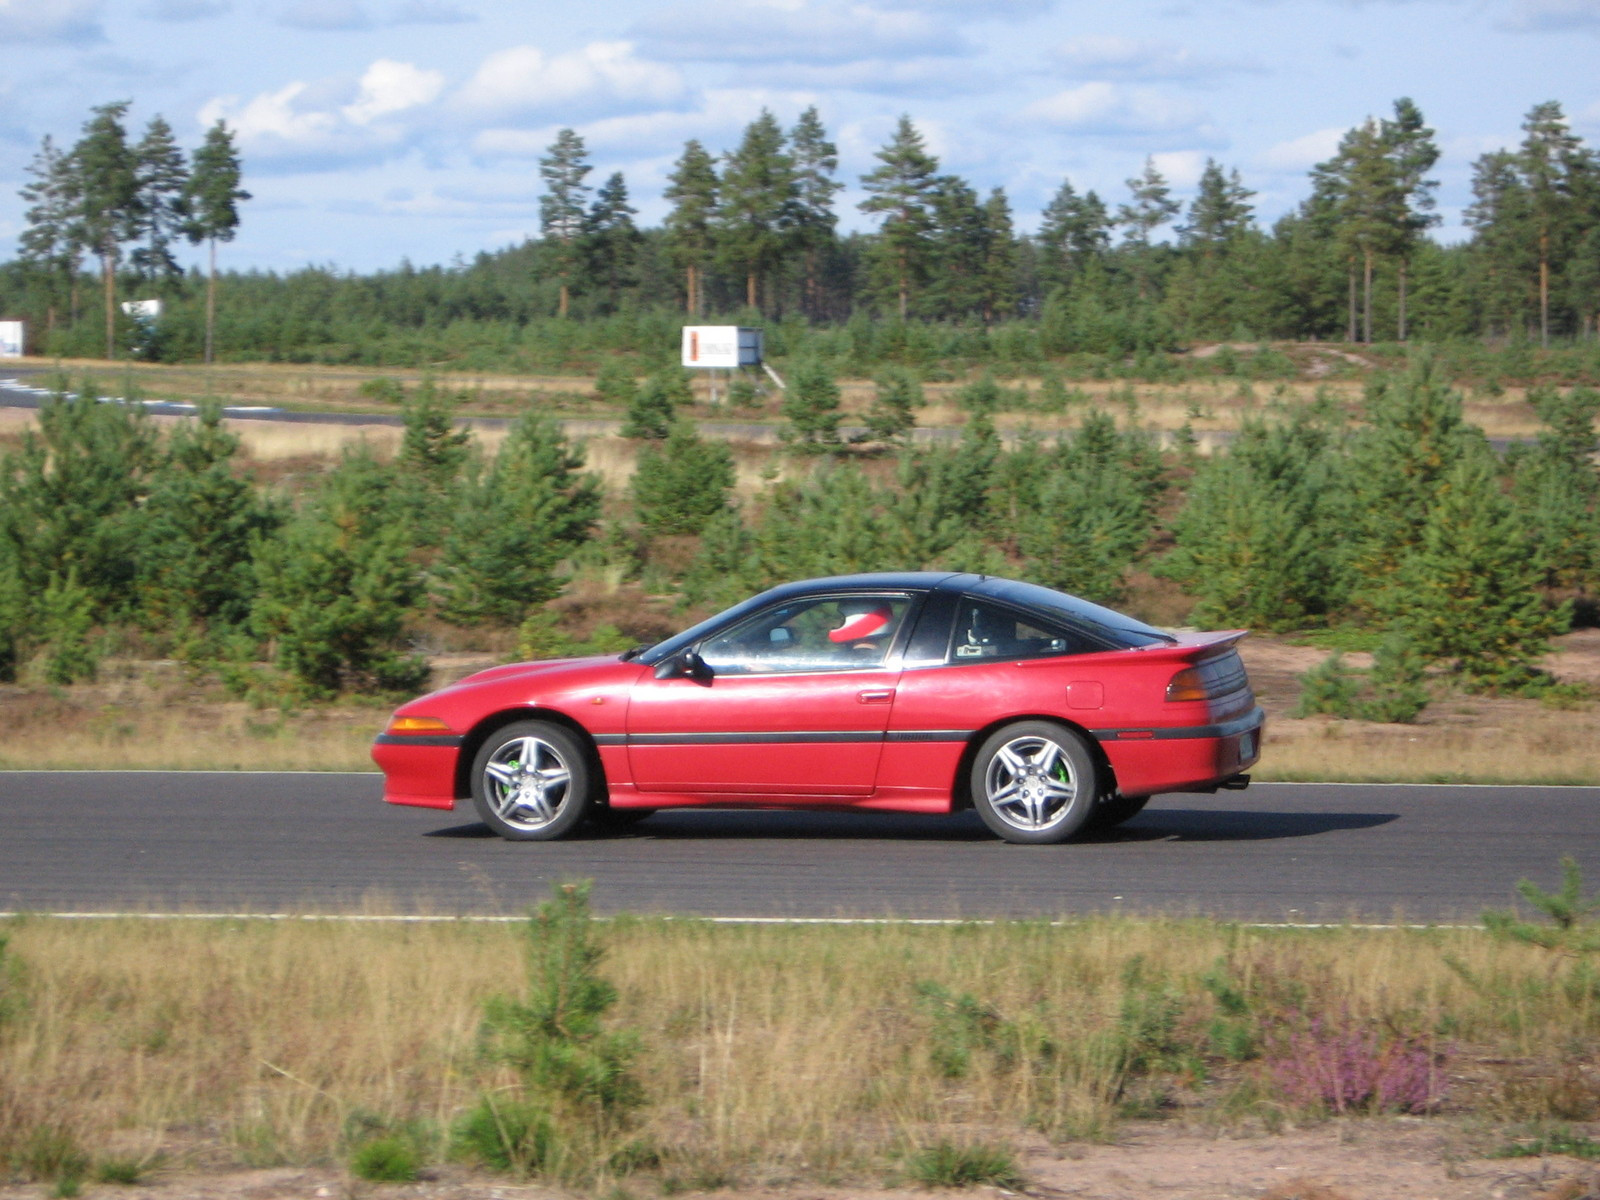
[156, 841]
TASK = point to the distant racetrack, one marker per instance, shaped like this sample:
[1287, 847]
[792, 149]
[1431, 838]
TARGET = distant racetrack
[92, 841]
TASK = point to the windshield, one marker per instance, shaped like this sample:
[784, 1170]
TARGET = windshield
[654, 654]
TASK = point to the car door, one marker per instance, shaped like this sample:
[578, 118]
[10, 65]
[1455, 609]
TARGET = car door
[794, 702]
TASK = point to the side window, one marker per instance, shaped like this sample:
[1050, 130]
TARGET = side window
[985, 630]
[838, 633]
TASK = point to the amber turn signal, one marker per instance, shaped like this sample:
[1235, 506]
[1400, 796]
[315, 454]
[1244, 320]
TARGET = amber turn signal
[1187, 685]
[418, 725]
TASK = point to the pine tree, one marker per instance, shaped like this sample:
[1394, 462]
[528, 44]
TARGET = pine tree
[198, 531]
[682, 485]
[1220, 212]
[1365, 187]
[211, 202]
[562, 207]
[432, 454]
[758, 205]
[51, 245]
[611, 239]
[71, 496]
[957, 251]
[1469, 594]
[691, 224]
[1074, 230]
[1550, 160]
[897, 396]
[815, 160]
[513, 525]
[1415, 153]
[811, 403]
[1499, 217]
[1152, 206]
[161, 179]
[107, 171]
[901, 190]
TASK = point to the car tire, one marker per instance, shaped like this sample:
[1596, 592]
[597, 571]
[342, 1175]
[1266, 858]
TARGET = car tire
[1114, 810]
[532, 782]
[1034, 782]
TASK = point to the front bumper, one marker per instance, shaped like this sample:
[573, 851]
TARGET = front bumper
[418, 771]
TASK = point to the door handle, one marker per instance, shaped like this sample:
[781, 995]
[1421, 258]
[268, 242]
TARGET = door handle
[880, 696]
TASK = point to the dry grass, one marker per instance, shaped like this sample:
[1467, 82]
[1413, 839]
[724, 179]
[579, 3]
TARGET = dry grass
[142, 716]
[770, 1053]
[1531, 746]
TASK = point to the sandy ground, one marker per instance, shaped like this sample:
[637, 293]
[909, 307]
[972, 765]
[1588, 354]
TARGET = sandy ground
[1398, 1159]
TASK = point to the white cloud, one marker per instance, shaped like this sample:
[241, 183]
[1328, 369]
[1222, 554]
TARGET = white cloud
[302, 125]
[1105, 56]
[50, 21]
[1302, 153]
[325, 15]
[1103, 107]
[273, 117]
[391, 87]
[1553, 16]
[601, 78]
[797, 31]
[1181, 168]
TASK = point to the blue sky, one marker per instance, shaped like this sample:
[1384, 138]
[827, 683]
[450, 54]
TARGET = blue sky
[373, 130]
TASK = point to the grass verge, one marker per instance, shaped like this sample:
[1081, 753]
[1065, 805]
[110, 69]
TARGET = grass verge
[768, 1055]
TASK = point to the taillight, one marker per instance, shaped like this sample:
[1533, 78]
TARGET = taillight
[1187, 684]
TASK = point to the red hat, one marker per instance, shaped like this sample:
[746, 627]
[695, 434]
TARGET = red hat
[866, 624]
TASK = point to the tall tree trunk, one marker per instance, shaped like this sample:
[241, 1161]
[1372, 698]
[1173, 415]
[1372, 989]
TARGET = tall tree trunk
[211, 300]
[1544, 286]
[1402, 322]
[1366, 296]
[750, 289]
[108, 278]
[561, 304]
[905, 285]
[688, 290]
[1350, 322]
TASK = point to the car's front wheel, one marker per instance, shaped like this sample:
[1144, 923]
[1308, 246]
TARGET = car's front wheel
[531, 782]
[1034, 782]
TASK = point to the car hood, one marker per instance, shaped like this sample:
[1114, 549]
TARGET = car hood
[550, 670]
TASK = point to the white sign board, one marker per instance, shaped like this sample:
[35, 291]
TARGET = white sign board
[721, 346]
[142, 310]
[11, 338]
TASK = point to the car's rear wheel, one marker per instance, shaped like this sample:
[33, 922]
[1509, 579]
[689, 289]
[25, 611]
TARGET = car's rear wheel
[1114, 810]
[531, 782]
[1034, 782]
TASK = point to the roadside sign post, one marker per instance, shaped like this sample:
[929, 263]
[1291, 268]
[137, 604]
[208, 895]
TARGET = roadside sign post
[728, 348]
[13, 339]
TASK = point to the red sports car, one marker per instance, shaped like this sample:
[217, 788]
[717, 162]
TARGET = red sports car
[917, 692]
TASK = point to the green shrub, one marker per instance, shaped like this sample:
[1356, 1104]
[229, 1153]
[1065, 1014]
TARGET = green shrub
[950, 1164]
[1329, 687]
[390, 1159]
[506, 1134]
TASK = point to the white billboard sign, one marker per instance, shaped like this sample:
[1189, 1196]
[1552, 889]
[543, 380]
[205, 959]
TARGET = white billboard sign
[142, 310]
[12, 334]
[721, 346]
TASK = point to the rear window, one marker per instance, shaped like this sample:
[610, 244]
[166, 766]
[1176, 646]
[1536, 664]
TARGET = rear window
[1116, 630]
[987, 630]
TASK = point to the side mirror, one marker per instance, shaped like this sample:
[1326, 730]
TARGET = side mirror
[686, 664]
